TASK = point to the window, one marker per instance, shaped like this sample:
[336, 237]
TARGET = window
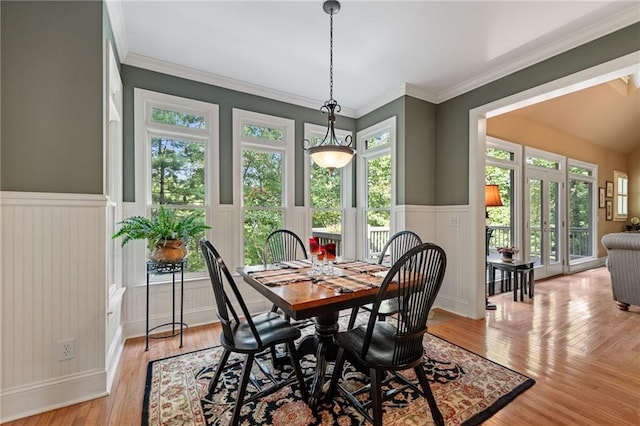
[327, 193]
[582, 212]
[177, 138]
[263, 145]
[376, 178]
[503, 164]
[621, 195]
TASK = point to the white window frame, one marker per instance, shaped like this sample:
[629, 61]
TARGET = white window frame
[620, 194]
[593, 179]
[113, 172]
[346, 179]
[285, 147]
[364, 155]
[144, 102]
[517, 166]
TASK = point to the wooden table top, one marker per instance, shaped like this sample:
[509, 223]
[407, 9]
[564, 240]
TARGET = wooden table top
[306, 298]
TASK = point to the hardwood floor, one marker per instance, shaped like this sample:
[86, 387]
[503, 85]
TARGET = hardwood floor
[582, 351]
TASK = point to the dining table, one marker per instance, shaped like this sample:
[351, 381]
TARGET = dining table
[302, 294]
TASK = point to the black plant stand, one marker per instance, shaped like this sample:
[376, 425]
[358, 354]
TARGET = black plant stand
[167, 268]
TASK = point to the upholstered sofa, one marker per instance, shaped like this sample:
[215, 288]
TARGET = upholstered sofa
[624, 266]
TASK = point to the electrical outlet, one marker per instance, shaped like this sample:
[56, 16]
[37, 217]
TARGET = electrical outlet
[66, 349]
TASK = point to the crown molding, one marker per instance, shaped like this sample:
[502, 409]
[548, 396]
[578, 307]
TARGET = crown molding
[181, 71]
[623, 19]
[406, 89]
[116, 17]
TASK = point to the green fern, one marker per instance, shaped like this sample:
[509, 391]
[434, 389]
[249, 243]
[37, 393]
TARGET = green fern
[165, 224]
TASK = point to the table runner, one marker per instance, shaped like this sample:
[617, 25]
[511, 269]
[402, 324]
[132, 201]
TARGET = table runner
[276, 277]
[361, 267]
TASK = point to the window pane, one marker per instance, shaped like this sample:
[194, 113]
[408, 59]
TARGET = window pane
[501, 154]
[262, 178]
[580, 214]
[378, 226]
[378, 140]
[327, 228]
[541, 162]
[176, 118]
[580, 171]
[379, 182]
[257, 226]
[263, 132]
[177, 172]
[325, 187]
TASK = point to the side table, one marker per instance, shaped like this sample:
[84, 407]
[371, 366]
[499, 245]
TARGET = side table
[522, 274]
[167, 268]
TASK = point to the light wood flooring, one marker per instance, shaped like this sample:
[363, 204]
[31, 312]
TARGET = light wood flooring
[582, 351]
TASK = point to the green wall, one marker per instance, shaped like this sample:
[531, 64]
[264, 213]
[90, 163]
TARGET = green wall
[52, 108]
[52, 103]
[226, 99]
[452, 117]
[416, 147]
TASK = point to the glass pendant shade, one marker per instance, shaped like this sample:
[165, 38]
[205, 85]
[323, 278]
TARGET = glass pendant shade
[331, 156]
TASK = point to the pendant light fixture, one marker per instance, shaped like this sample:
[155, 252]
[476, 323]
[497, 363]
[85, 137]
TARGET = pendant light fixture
[330, 153]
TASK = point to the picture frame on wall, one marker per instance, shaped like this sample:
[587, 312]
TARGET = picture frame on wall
[609, 210]
[609, 189]
[601, 198]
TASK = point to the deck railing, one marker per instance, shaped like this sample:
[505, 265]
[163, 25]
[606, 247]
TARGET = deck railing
[580, 244]
[376, 239]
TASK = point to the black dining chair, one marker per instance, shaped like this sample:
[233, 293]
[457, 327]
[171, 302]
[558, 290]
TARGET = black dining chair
[247, 334]
[391, 346]
[280, 246]
[398, 244]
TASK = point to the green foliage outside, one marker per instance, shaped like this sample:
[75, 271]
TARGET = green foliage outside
[379, 187]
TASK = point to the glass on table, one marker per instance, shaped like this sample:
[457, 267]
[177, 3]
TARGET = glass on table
[329, 259]
[315, 250]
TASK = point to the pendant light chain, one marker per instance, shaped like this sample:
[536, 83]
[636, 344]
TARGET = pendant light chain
[331, 57]
[330, 153]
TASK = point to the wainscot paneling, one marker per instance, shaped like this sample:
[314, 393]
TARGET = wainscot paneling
[53, 255]
[448, 227]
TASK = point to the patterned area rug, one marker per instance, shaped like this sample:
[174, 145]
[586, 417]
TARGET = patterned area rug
[468, 389]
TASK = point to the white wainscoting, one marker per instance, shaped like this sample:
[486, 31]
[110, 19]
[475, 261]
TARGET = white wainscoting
[447, 226]
[53, 255]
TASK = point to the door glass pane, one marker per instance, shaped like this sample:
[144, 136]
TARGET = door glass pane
[580, 214]
[535, 220]
[501, 218]
[554, 222]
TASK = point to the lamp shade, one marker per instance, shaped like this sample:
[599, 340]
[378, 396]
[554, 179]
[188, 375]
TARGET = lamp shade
[492, 196]
[331, 156]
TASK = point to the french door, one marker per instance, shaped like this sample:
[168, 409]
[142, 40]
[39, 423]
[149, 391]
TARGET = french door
[545, 210]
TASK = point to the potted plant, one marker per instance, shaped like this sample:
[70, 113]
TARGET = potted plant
[507, 253]
[167, 233]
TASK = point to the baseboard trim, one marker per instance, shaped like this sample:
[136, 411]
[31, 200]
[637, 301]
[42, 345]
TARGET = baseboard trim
[49, 395]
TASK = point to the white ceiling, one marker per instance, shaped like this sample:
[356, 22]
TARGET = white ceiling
[433, 50]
